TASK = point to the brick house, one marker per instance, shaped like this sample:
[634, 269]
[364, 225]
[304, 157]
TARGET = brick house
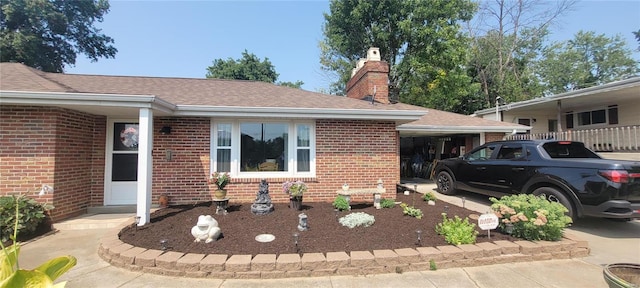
[101, 141]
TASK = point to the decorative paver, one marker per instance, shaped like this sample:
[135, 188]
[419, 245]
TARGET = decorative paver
[270, 266]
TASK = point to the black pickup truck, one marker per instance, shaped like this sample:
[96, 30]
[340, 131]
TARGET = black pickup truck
[562, 171]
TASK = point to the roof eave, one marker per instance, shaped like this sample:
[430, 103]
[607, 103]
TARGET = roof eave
[631, 82]
[298, 113]
[102, 100]
[462, 129]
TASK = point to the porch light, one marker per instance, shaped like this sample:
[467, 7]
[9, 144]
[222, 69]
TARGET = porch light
[165, 130]
[463, 200]
[163, 244]
[508, 228]
[446, 209]
[419, 236]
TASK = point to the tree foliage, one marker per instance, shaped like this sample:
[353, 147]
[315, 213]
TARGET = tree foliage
[249, 67]
[508, 38]
[48, 35]
[585, 61]
[420, 39]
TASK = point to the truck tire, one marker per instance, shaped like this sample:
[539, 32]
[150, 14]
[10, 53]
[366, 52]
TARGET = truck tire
[445, 183]
[553, 195]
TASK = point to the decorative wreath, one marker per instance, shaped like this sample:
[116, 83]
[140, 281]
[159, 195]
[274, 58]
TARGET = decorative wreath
[129, 137]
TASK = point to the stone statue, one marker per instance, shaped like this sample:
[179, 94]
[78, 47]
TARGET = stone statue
[262, 205]
[206, 229]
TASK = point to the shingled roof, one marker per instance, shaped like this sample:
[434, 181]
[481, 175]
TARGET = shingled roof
[216, 95]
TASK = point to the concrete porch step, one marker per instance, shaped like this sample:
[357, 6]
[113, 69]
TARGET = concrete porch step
[116, 209]
[95, 221]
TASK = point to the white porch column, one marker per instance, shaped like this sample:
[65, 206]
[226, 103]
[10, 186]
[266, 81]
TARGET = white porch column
[145, 165]
[482, 138]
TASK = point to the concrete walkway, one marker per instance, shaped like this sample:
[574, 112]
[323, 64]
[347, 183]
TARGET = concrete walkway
[92, 271]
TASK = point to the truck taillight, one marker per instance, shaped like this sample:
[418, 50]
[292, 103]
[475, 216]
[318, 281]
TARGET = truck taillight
[616, 176]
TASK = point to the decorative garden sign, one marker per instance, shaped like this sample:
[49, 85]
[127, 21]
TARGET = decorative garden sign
[487, 222]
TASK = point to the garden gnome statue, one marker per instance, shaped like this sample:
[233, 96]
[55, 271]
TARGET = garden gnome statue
[206, 229]
[262, 205]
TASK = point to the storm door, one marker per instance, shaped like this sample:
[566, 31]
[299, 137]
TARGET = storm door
[122, 164]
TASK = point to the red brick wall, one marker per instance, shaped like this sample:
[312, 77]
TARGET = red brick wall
[66, 150]
[354, 152]
[490, 137]
[373, 73]
[185, 177]
[48, 146]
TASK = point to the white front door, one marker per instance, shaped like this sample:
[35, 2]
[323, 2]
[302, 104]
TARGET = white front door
[121, 173]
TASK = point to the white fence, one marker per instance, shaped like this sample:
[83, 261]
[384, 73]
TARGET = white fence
[615, 139]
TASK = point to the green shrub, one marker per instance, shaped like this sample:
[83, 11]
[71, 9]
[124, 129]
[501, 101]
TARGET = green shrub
[411, 211]
[457, 231]
[357, 219]
[429, 196]
[341, 203]
[533, 217]
[30, 215]
[10, 273]
[387, 203]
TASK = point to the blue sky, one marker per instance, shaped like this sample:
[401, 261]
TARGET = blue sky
[182, 38]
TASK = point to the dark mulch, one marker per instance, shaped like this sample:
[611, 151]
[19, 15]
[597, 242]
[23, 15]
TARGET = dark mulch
[392, 229]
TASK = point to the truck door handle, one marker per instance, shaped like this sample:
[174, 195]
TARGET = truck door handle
[481, 168]
[518, 169]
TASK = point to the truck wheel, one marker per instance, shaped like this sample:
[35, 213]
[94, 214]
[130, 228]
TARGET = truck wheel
[553, 195]
[445, 183]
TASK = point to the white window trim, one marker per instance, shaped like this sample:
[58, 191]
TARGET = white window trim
[292, 149]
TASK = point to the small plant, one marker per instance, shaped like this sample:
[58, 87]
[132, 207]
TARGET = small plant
[294, 189]
[30, 215]
[411, 211]
[221, 179]
[387, 203]
[429, 196]
[457, 231]
[532, 217]
[43, 276]
[341, 203]
[432, 265]
[357, 219]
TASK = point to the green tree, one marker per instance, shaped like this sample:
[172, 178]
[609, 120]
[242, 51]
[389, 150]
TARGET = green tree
[508, 38]
[420, 39]
[48, 35]
[637, 35]
[585, 61]
[298, 84]
[249, 67]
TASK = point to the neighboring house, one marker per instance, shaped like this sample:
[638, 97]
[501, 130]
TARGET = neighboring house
[605, 117]
[111, 141]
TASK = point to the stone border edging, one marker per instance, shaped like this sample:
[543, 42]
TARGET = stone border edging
[269, 266]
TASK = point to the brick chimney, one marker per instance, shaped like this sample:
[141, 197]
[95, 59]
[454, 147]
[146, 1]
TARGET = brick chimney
[370, 78]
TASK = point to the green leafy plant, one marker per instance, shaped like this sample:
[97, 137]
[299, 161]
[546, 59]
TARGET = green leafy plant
[387, 203]
[30, 214]
[43, 276]
[220, 179]
[341, 203]
[295, 188]
[429, 196]
[533, 217]
[457, 231]
[357, 219]
[411, 211]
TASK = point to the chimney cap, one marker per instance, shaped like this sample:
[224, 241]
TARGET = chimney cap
[373, 54]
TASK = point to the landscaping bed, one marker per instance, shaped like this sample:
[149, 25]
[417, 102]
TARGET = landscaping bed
[391, 230]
